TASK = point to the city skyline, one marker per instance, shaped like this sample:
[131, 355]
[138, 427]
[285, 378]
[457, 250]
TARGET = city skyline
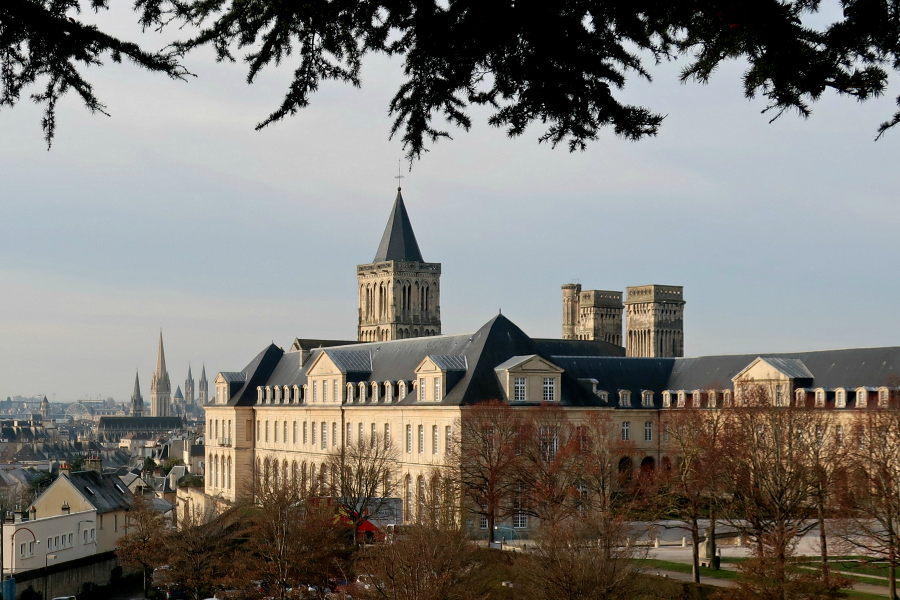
[174, 213]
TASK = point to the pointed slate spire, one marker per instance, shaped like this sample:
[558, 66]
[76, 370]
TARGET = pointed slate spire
[189, 371]
[203, 374]
[137, 387]
[398, 241]
[160, 358]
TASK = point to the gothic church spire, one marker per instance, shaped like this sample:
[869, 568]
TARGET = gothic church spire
[399, 240]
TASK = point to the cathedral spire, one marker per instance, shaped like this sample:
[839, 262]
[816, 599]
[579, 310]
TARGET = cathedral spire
[137, 401]
[398, 242]
[160, 359]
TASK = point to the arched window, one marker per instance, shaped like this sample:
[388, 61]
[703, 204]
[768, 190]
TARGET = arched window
[409, 500]
[362, 391]
[681, 397]
[351, 396]
[402, 386]
[646, 398]
[712, 399]
[259, 394]
[667, 399]
[884, 396]
[840, 399]
[862, 398]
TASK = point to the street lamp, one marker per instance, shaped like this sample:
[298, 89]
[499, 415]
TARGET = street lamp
[12, 543]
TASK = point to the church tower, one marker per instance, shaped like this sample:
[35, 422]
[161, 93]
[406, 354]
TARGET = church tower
[203, 388]
[45, 409]
[137, 401]
[399, 293]
[655, 321]
[189, 388]
[160, 387]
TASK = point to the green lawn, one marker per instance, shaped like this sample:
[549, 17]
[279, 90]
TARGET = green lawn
[685, 568]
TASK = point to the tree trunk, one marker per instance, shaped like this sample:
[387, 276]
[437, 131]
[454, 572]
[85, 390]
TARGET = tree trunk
[892, 581]
[490, 528]
[695, 551]
[823, 541]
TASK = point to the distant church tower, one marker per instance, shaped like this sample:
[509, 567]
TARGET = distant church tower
[189, 388]
[203, 387]
[45, 409]
[655, 321]
[592, 314]
[137, 401]
[399, 293]
[160, 388]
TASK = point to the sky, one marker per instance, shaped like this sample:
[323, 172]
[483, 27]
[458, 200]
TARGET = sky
[174, 214]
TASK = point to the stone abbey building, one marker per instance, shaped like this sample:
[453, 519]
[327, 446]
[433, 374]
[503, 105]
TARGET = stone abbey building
[405, 380]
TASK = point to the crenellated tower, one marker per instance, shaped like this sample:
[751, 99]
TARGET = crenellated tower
[399, 293]
[655, 321]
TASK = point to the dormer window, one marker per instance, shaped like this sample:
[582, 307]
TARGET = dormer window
[549, 389]
[801, 397]
[296, 394]
[402, 386]
[840, 399]
[883, 397]
[362, 391]
[667, 399]
[712, 399]
[603, 395]
[268, 395]
[726, 397]
[681, 398]
[519, 389]
[277, 395]
[820, 397]
[696, 399]
[647, 398]
[376, 392]
[259, 394]
[624, 398]
[351, 396]
[862, 398]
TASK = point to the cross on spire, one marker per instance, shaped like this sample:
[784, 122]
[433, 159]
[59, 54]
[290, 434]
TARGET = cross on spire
[399, 175]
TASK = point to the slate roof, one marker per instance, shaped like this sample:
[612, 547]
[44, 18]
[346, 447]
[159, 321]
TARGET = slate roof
[399, 241]
[107, 493]
[449, 363]
[475, 357]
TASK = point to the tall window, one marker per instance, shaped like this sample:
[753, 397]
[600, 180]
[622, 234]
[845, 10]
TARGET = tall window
[315, 391]
[334, 435]
[841, 401]
[779, 395]
[259, 430]
[437, 389]
[387, 436]
[448, 438]
[409, 500]
[313, 427]
[883, 398]
[374, 440]
[267, 432]
[861, 399]
[325, 391]
[520, 519]
[295, 431]
[549, 389]
[820, 398]
[276, 432]
[626, 431]
[324, 435]
[839, 435]
[337, 393]
[519, 389]
[422, 389]
[349, 441]
[361, 434]
[421, 439]
[409, 439]
[304, 433]
[648, 431]
[434, 439]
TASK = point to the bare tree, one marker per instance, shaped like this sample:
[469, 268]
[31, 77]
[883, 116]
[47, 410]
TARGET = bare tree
[586, 557]
[143, 547]
[486, 454]
[692, 485]
[549, 461]
[427, 563]
[201, 554]
[873, 526]
[365, 473]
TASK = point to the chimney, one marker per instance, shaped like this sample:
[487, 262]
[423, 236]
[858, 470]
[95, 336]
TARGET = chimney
[93, 464]
[64, 470]
[65, 508]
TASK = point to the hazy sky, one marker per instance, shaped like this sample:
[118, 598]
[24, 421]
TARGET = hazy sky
[175, 213]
